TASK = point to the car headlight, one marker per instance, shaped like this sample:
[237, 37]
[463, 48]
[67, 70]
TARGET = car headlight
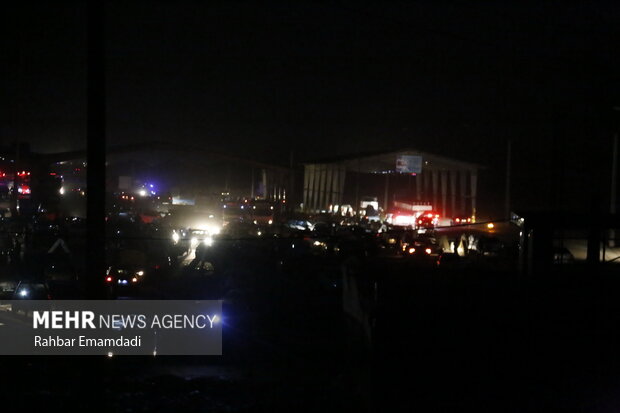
[208, 241]
[140, 273]
[24, 292]
[320, 244]
[175, 237]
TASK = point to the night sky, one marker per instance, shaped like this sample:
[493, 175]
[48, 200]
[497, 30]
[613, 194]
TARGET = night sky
[456, 78]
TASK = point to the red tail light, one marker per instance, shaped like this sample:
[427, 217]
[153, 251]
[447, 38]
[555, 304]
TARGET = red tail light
[108, 279]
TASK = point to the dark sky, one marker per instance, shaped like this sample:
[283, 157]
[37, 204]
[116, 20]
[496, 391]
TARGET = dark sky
[457, 78]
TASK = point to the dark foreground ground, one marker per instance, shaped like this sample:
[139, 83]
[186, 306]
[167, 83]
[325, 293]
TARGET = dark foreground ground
[442, 342]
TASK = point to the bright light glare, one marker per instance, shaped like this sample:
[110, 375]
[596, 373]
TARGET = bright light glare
[208, 241]
[403, 220]
[411, 250]
[140, 273]
[142, 192]
[62, 190]
[23, 292]
[175, 237]
[428, 250]
[205, 226]
[270, 221]
[490, 225]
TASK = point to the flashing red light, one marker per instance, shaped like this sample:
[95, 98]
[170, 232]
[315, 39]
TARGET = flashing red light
[108, 279]
[53, 173]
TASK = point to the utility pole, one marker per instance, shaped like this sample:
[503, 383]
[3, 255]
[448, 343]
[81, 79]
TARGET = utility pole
[14, 191]
[252, 185]
[387, 189]
[289, 195]
[612, 202]
[96, 147]
[507, 191]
